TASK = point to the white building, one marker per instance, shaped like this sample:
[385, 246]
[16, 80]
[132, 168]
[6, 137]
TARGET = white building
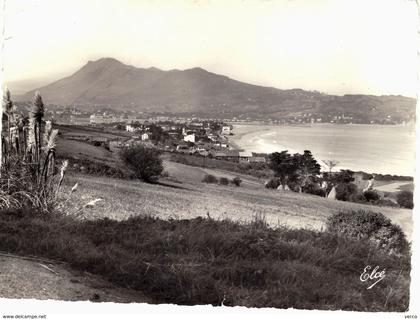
[130, 128]
[145, 137]
[226, 130]
[189, 138]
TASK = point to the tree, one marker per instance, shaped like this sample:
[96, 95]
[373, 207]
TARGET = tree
[283, 166]
[344, 176]
[158, 134]
[144, 162]
[297, 170]
[347, 192]
[307, 167]
[330, 164]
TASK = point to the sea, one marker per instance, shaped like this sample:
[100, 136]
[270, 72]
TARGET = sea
[383, 149]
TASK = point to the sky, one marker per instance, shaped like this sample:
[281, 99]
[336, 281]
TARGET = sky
[336, 47]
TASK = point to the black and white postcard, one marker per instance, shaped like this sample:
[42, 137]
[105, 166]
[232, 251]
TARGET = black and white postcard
[244, 158]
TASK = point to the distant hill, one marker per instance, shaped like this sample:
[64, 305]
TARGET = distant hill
[108, 82]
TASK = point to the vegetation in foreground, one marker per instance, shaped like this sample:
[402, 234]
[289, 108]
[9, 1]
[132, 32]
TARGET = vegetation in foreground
[204, 261]
[28, 171]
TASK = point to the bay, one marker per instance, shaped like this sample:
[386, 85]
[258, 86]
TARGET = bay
[384, 149]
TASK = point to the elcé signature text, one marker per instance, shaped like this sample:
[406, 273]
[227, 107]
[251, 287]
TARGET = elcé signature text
[372, 275]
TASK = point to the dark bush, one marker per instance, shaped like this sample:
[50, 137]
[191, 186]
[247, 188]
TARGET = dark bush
[347, 192]
[272, 183]
[144, 162]
[314, 189]
[223, 181]
[371, 196]
[211, 179]
[236, 181]
[294, 184]
[405, 199]
[320, 192]
[372, 225]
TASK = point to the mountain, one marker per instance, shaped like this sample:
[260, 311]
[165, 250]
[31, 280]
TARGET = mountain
[108, 82]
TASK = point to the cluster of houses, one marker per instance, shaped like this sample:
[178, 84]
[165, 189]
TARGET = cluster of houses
[208, 138]
[200, 134]
[203, 138]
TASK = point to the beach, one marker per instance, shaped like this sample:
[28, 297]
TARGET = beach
[383, 149]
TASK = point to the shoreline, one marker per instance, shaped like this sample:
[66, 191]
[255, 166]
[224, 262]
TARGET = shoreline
[233, 139]
[257, 131]
[325, 141]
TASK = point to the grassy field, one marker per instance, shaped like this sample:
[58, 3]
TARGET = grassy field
[80, 149]
[76, 149]
[204, 261]
[183, 195]
[88, 131]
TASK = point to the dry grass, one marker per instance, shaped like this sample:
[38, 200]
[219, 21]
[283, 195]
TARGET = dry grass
[191, 198]
[83, 150]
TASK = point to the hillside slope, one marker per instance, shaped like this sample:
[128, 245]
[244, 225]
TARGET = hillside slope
[108, 82]
[183, 195]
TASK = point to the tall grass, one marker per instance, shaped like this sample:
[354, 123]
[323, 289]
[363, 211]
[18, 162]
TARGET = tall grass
[205, 261]
[28, 173]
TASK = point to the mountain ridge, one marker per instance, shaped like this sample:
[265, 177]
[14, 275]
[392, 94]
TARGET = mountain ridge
[109, 82]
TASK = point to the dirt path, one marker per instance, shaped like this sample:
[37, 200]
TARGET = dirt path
[38, 279]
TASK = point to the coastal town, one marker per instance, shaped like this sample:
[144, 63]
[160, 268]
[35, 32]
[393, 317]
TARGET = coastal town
[105, 115]
[206, 138]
